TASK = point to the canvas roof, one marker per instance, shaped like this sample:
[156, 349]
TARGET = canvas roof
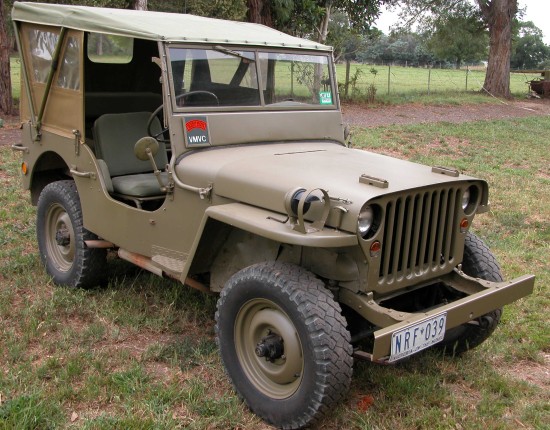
[170, 27]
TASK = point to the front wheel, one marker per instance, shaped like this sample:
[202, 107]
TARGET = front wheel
[284, 344]
[61, 238]
[478, 262]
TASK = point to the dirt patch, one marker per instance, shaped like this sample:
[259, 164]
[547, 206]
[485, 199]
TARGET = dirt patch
[10, 133]
[362, 116]
[532, 372]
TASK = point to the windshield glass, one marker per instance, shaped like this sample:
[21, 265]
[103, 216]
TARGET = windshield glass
[230, 77]
[297, 78]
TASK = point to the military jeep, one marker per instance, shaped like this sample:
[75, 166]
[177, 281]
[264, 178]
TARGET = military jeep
[214, 153]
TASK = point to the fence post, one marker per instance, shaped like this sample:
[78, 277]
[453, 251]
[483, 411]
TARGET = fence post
[346, 85]
[389, 74]
[429, 77]
[467, 72]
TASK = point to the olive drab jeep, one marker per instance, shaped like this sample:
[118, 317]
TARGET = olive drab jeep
[213, 152]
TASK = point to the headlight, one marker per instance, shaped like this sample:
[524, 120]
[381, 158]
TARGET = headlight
[470, 200]
[292, 201]
[365, 220]
[465, 199]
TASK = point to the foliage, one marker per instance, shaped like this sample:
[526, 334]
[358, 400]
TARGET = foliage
[460, 37]
[398, 48]
[310, 18]
[345, 41]
[497, 15]
[225, 9]
[529, 50]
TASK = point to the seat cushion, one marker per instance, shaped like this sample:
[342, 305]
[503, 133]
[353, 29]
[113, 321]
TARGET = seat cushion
[116, 136]
[140, 185]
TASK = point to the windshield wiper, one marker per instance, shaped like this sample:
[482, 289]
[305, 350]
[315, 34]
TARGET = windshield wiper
[233, 53]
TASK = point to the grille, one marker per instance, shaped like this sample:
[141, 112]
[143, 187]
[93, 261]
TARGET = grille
[419, 234]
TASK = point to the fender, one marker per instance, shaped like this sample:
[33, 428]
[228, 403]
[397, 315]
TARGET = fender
[268, 225]
[273, 226]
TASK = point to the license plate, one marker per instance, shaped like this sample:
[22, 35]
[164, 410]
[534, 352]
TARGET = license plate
[418, 336]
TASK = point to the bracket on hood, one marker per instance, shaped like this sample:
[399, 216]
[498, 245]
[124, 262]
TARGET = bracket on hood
[375, 182]
[446, 171]
[297, 220]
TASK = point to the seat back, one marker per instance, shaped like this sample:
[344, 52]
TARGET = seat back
[115, 137]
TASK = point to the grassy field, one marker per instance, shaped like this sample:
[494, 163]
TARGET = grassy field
[408, 83]
[140, 352]
[15, 69]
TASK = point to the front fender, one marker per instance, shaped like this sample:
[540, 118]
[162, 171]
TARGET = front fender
[273, 226]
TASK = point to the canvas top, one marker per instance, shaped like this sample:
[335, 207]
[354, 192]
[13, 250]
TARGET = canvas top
[161, 26]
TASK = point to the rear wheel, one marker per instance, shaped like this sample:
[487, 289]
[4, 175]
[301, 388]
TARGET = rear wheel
[478, 262]
[61, 237]
[284, 343]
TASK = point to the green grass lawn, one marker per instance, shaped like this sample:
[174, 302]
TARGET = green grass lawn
[15, 69]
[140, 353]
[410, 84]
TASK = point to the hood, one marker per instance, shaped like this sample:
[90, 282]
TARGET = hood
[261, 175]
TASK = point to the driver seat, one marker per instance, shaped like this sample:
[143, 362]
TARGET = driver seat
[126, 176]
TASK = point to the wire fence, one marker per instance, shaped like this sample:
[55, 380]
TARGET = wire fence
[366, 79]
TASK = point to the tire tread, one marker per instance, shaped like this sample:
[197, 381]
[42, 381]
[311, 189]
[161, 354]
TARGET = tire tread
[89, 264]
[326, 328]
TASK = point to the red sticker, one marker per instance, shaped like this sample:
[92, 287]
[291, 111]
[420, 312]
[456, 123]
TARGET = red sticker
[195, 123]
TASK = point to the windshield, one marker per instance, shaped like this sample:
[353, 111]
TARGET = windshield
[230, 77]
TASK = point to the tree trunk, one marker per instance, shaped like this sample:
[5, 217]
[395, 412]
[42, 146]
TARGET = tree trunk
[6, 100]
[499, 15]
[259, 12]
[323, 28]
[139, 5]
[346, 85]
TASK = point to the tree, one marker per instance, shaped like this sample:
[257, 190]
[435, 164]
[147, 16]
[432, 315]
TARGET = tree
[223, 9]
[529, 50]
[6, 101]
[497, 15]
[139, 4]
[311, 18]
[458, 37]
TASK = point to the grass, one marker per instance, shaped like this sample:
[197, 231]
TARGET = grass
[140, 353]
[15, 69]
[408, 84]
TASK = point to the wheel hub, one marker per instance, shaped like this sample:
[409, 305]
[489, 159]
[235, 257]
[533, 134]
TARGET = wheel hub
[271, 347]
[62, 236]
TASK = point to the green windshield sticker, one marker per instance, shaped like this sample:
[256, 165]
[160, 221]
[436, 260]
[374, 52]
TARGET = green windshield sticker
[325, 97]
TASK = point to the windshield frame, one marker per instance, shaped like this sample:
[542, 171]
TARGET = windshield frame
[256, 51]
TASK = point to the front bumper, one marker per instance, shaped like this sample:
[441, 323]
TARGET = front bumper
[483, 297]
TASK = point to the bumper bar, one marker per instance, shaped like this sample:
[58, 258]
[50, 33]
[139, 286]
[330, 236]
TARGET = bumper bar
[484, 297]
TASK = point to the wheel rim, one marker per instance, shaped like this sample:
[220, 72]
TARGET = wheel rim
[60, 237]
[278, 377]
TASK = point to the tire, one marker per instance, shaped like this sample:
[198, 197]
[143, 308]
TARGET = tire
[478, 262]
[61, 237]
[294, 386]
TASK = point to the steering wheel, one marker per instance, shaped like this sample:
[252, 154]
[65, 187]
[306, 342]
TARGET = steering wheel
[159, 135]
[191, 93]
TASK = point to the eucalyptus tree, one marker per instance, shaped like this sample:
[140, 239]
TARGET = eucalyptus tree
[498, 17]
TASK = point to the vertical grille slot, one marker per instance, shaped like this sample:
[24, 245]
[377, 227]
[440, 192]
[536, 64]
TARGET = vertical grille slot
[419, 233]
